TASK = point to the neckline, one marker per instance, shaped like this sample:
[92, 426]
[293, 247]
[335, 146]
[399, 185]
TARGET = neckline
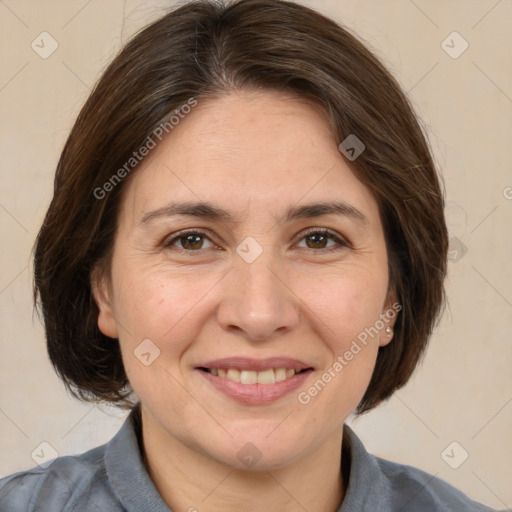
[128, 474]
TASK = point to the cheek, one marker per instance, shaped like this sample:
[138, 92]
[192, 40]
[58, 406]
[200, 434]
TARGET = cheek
[166, 311]
[345, 317]
[164, 307]
[348, 304]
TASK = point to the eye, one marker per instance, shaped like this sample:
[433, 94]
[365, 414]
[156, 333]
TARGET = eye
[320, 239]
[189, 241]
[315, 239]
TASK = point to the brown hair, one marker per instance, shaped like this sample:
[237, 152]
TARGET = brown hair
[208, 48]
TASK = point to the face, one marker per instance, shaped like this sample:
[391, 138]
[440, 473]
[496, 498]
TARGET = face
[223, 262]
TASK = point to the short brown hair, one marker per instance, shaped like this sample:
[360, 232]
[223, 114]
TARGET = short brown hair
[206, 49]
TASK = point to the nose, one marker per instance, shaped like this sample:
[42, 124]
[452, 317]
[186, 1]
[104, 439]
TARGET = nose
[258, 300]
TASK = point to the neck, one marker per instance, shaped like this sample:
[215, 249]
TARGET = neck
[314, 483]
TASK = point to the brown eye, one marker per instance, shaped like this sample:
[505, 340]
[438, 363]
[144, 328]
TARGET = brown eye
[191, 241]
[316, 241]
[322, 239]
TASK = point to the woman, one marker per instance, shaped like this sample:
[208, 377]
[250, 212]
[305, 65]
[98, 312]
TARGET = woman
[246, 243]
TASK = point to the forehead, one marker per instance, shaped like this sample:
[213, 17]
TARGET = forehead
[263, 150]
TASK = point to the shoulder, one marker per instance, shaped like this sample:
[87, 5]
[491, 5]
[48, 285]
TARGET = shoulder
[414, 489]
[375, 483]
[68, 483]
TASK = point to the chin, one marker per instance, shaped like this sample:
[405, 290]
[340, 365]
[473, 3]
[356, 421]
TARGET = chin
[254, 449]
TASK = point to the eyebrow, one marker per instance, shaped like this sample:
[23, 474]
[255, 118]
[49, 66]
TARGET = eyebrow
[208, 211]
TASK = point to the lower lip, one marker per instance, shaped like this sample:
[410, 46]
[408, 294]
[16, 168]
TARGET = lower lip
[255, 394]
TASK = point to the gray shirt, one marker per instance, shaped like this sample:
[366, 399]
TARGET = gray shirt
[113, 478]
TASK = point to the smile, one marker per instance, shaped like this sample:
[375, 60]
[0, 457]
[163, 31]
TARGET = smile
[268, 376]
[253, 381]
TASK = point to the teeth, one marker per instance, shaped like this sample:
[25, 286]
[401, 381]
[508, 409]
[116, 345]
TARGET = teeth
[248, 377]
[269, 376]
[233, 374]
[280, 374]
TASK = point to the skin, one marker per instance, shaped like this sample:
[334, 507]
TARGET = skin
[254, 154]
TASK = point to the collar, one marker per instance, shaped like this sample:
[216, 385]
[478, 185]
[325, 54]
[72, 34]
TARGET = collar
[126, 471]
[367, 490]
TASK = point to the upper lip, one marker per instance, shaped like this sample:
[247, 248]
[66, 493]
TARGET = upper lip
[245, 363]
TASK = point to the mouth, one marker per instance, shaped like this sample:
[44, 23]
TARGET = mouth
[267, 376]
[255, 382]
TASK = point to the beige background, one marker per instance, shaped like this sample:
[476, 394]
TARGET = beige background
[463, 390]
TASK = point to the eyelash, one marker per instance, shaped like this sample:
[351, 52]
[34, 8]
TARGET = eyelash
[341, 243]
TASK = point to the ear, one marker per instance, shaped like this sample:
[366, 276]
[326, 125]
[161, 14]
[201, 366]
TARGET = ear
[390, 313]
[102, 294]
